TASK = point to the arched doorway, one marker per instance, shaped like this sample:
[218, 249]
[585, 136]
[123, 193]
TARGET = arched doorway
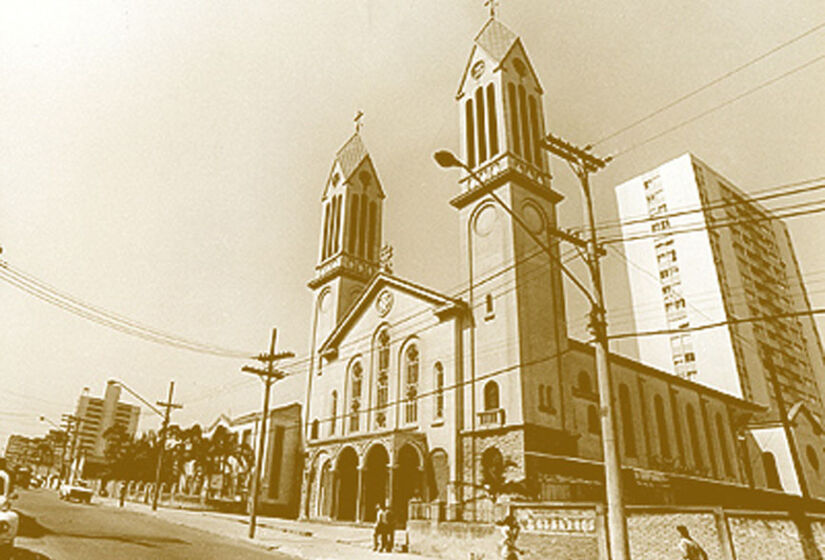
[407, 481]
[325, 499]
[346, 482]
[375, 480]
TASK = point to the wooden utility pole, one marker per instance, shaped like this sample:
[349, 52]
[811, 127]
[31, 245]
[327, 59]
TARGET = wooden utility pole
[72, 430]
[583, 163]
[169, 406]
[268, 376]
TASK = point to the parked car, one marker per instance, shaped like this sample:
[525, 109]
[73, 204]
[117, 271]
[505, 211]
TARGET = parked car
[79, 491]
[9, 520]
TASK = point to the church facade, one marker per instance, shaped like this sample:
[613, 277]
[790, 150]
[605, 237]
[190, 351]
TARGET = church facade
[457, 398]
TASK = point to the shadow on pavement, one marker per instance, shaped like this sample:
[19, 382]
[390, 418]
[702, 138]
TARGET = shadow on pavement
[26, 554]
[29, 527]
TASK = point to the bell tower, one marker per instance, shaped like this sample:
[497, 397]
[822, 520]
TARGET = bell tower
[350, 237]
[516, 288]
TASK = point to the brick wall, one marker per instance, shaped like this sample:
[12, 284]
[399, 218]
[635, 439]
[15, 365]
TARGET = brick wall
[761, 537]
[653, 535]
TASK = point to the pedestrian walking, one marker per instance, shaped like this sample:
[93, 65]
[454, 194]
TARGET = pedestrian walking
[388, 536]
[122, 493]
[510, 530]
[689, 548]
[379, 529]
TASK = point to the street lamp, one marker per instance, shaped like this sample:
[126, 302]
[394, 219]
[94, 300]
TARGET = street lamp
[585, 163]
[62, 442]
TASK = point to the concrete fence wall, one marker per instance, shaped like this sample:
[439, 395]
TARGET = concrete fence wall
[724, 534]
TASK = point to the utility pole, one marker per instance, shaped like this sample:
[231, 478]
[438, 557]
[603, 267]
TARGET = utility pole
[268, 376]
[583, 163]
[169, 406]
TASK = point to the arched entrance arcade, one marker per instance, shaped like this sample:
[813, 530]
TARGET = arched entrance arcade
[346, 485]
[375, 480]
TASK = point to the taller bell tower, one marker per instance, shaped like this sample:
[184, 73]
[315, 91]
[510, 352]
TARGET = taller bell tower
[350, 237]
[516, 288]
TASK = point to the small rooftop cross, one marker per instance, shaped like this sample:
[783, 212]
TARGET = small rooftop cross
[359, 124]
[493, 5]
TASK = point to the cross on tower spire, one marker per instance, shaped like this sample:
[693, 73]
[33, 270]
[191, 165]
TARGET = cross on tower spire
[493, 6]
[359, 123]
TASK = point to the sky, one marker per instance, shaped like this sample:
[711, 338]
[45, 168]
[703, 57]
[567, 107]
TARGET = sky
[165, 160]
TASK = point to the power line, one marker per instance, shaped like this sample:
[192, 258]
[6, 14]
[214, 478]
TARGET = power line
[711, 83]
[48, 294]
[720, 105]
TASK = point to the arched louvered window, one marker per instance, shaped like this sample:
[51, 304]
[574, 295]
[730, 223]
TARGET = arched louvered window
[411, 372]
[492, 123]
[362, 228]
[514, 120]
[438, 383]
[525, 127]
[470, 137]
[371, 249]
[353, 224]
[481, 132]
[628, 435]
[382, 378]
[326, 240]
[336, 226]
[356, 388]
[536, 129]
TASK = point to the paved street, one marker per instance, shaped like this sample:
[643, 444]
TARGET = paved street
[51, 529]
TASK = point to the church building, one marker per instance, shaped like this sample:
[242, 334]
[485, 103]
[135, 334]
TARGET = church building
[459, 398]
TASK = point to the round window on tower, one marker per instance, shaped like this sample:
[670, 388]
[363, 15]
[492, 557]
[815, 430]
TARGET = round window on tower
[485, 221]
[533, 217]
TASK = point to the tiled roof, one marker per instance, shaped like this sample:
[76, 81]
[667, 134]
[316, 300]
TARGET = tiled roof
[351, 155]
[496, 39]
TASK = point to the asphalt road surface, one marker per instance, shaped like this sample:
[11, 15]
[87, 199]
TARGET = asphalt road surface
[51, 529]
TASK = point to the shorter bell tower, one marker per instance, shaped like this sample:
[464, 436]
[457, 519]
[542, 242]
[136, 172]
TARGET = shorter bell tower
[350, 238]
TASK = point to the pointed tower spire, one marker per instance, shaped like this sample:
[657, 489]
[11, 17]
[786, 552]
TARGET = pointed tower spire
[350, 237]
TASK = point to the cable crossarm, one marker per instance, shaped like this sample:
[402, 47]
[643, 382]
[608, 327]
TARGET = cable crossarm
[138, 397]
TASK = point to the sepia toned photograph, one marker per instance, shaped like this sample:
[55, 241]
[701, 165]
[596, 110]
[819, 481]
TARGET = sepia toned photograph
[413, 279]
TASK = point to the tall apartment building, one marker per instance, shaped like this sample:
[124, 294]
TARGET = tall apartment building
[98, 415]
[702, 251]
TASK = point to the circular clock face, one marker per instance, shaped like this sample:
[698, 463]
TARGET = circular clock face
[384, 302]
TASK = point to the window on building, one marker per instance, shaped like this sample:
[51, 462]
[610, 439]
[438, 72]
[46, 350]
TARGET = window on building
[536, 129]
[593, 423]
[488, 305]
[356, 384]
[438, 383]
[723, 444]
[382, 379]
[470, 138]
[492, 124]
[491, 396]
[525, 127]
[362, 228]
[661, 425]
[771, 472]
[481, 133]
[313, 432]
[627, 421]
[694, 438]
[276, 457]
[546, 398]
[411, 370]
[353, 223]
[333, 411]
[371, 244]
[812, 457]
[514, 120]
[325, 241]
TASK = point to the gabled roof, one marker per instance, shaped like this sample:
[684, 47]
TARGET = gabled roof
[497, 40]
[349, 157]
[378, 282]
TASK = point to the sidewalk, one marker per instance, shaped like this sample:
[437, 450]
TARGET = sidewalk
[303, 539]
